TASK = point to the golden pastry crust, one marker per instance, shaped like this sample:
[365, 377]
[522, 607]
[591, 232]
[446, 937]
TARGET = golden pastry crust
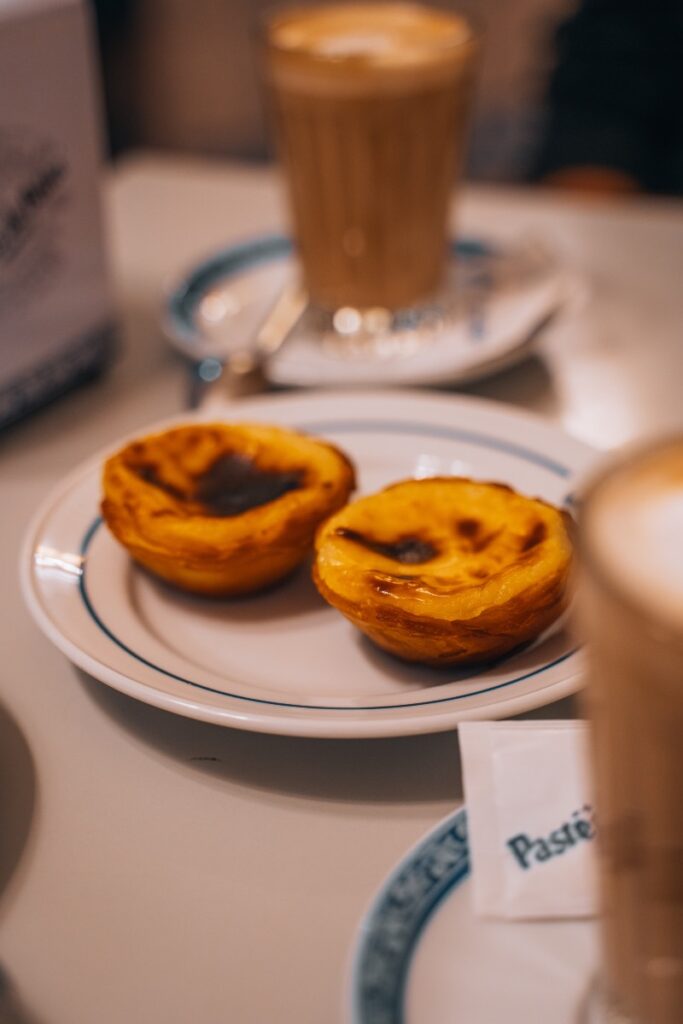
[446, 570]
[223, 509]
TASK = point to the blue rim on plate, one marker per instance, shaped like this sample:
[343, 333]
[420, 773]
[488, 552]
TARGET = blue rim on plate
[182, 302]
[235, 259]
[392, 927]
[496, 298]
[111, 635]
[324, 428]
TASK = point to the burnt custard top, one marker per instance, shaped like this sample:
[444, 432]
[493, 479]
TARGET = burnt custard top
[406, 550]
[441, 537]
[220, 485]
[233, 483]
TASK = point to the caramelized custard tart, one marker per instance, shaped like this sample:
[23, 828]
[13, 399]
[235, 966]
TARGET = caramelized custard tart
[223, 509]
[446, 570]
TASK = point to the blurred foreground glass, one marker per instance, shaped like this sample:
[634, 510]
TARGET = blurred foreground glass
[370, 104]
[632, 617]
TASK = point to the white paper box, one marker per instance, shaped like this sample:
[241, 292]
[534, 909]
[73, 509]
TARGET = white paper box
[55, 305]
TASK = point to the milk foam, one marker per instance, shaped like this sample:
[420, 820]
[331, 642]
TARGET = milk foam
[635, 531]
[372, 36]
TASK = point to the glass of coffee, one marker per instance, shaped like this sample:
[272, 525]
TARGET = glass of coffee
[632, 615]
[370, 104]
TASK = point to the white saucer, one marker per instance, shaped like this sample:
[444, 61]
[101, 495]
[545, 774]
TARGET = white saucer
[423, 957]
[495, 300]
[285, 661]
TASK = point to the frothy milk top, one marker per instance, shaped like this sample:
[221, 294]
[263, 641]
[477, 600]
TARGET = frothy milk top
[634, 529]
[351, 43]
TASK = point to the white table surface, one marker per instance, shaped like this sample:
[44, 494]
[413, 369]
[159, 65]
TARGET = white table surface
[154, 868]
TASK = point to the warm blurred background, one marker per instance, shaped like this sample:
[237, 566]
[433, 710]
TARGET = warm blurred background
[581, 93]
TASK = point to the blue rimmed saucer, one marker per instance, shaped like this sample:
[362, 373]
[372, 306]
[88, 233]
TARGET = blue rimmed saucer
[421, 955]
[495, 300]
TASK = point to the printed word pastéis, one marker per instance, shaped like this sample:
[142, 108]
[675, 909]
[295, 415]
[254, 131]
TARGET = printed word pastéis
[530, 850]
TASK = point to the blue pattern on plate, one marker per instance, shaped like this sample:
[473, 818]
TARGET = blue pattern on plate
[234, 259]
[392, 928]
[183, 301]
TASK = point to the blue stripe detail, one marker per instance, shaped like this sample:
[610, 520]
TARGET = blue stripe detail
[397, 918]
[472, 437]
[89, 534]
[233, 260]
[280, 703]
[237, 258]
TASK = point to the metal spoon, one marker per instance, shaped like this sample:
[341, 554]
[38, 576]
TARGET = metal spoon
[244, 371]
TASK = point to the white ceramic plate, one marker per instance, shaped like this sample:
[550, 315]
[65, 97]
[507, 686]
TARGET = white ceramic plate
[284, 661]
[495, 299]
[423, 957]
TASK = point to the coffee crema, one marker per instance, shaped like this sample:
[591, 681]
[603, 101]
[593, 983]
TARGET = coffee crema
[342, 48]
[370, 105]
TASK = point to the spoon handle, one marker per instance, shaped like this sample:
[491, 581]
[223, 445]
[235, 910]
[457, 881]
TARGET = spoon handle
[244, 372]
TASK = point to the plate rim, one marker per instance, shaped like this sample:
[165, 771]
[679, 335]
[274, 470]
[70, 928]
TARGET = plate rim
[377, 723]
[428, 902]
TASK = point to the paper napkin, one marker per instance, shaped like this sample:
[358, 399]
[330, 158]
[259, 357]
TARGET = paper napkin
[531, 823]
